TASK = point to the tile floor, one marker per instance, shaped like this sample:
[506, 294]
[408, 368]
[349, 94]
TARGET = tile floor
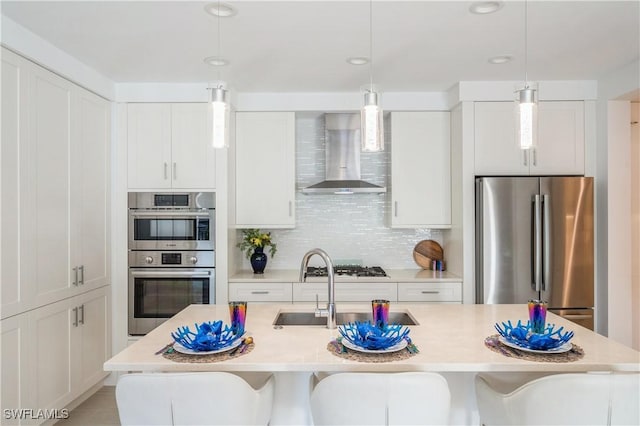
[99, 410]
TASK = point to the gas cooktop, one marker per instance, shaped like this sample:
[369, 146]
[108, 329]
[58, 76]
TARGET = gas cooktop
[348, 270]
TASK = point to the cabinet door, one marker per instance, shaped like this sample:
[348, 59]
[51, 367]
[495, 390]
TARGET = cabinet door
[420, 170]
[14, 296]
[51, 332]
[14, 359]
[560, 148]
[93, 346]
[496, 149]
[149, 145]
[48, 190]
[193, 158]
[430, 292]
[91, 190]
[265, 169]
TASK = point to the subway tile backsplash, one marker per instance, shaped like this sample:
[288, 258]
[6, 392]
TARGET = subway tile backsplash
[348, 227]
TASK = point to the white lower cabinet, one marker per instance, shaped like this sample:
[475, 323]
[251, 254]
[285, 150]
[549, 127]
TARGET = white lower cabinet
[53, 354]
[345, 291]
[15, 366]
[93, 343]
[438, 292]
[260, 292]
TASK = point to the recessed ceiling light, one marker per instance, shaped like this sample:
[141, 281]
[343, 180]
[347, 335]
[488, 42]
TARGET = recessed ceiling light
[216, 61]
[502, 59]
[484, 7]
[222, 10]
[358, 60]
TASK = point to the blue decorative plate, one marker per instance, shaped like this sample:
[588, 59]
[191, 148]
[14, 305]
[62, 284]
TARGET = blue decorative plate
[372, 337]
[209, 336]
[521, 336]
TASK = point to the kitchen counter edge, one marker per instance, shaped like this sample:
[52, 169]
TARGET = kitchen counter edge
[394, 276]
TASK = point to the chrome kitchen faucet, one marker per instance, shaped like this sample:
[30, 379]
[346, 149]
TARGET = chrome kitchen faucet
[330, 311]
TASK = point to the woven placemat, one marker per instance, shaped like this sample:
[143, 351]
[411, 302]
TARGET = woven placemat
[176, 356]
[339, 350]
[495, 345]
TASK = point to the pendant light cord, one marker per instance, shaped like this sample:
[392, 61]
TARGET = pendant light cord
[526, 80]
[371, 45]
[219, 70]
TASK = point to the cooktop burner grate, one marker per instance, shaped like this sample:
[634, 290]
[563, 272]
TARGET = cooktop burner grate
[348, 270]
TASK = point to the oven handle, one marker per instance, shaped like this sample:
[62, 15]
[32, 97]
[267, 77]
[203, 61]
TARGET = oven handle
[176, 214]
[169, 272]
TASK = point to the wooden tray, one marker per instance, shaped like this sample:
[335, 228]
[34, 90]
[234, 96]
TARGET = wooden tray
[426, 251]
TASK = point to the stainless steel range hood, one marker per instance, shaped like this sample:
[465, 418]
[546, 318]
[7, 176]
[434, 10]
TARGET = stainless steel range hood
[342, 151]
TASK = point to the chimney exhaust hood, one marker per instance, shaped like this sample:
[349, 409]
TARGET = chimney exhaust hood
[342, 151]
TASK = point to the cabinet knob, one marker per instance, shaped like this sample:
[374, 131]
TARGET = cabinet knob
[193, 260]
[148, 260]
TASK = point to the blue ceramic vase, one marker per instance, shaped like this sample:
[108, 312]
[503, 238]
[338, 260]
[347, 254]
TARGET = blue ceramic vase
[258, 260]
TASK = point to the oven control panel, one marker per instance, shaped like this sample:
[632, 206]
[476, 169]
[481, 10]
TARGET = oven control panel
[182, 259]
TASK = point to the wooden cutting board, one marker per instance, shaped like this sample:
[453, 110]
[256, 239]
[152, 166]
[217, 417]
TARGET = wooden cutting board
[426, 251]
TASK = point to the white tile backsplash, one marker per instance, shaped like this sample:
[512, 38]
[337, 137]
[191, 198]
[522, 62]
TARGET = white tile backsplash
[350, 227]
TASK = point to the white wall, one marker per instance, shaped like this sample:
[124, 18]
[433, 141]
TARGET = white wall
[619, 207]
[635, 225]
[613, 209]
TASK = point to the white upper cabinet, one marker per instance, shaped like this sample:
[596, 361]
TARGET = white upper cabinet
[55, 173]
[559, 149]
[13, 148]
[193, 158]
[47, 231]
[149, 145]
[169, 146]
[420, 170]
[91, 191]
[265, 169]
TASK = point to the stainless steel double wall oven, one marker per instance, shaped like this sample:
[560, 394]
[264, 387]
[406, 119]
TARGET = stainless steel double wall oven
[171, 255]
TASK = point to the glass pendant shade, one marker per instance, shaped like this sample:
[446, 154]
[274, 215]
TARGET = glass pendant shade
[220, 118]
[527, 116]
[372, 126]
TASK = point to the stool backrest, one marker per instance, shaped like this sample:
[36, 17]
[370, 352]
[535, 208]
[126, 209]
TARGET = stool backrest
[212, 398]
[379, 398]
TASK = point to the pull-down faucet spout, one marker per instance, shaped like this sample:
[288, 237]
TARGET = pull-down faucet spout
[330, 311]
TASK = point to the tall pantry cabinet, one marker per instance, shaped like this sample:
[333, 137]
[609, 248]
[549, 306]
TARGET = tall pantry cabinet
[55, 231]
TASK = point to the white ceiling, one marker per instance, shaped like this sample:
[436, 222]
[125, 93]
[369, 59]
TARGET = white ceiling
[302, 46]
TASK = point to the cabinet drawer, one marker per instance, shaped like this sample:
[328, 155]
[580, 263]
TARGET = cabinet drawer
[260, 292]
[430, 292]
[345, 292]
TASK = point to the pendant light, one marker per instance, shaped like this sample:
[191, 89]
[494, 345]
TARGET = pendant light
[371, 127]
[527, 103]
[219, 105]
[219, 117]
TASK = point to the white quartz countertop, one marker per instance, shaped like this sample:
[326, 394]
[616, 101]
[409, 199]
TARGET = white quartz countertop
[450, 338]
[394, 275]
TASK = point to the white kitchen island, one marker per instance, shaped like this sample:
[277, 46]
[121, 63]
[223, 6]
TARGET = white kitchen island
[450, 339]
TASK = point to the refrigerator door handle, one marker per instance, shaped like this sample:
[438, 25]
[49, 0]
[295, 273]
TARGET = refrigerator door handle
[576, 316]
[546, 243]
[537, 244]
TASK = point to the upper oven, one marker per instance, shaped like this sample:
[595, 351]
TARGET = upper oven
[176, 221]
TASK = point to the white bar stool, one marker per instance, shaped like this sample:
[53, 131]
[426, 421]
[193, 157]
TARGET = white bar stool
[207, 398]
[562, 399]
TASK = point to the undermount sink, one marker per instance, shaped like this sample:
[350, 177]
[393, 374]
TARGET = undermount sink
[309, 318]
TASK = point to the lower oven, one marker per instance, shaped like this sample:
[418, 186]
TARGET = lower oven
[161, 284]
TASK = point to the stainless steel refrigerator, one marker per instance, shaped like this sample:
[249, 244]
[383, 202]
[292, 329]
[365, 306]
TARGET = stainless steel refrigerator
[535, 240]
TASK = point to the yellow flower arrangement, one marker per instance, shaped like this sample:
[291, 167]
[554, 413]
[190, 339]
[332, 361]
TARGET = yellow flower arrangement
[253, 239]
